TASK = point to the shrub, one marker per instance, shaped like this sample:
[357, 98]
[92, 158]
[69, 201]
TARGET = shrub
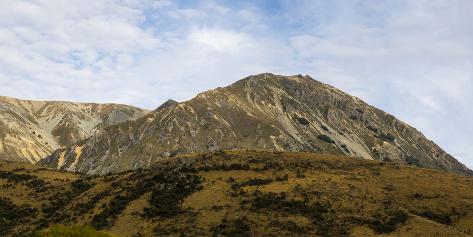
[166, 198]
[38, 185]
[113, 209]
[12, 215]
[226, 167]
[17, 178]
[442, 218]
[345, 148]
[326, 138]
[290, 226]
[303, 121]
[30, 181]
[233, 228]
[83, 208]
[80, 186]
[168, 187]
[279, 202]
[71, 231]
[389, 221]
[373, 129]
[235, 186]
[386, 137]
[257, 182]
[283, 178]
[177, 152]
[59, 200]
[321, 214]
[300, 174]
[410, 160]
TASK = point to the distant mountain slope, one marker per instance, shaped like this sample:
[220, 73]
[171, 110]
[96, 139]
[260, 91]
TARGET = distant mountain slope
[32, 130]
[242, 193]
[266, 111]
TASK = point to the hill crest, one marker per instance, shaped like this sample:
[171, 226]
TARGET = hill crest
[265, 111]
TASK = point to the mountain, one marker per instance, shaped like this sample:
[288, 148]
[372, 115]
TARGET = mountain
[266, 111]
[32, 130]
[242, 193]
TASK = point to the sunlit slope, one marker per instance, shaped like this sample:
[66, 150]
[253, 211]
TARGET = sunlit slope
[243, 193]
[32, 130]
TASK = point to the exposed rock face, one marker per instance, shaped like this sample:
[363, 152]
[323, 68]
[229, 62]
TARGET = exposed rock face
[32, 130]
[265, 111]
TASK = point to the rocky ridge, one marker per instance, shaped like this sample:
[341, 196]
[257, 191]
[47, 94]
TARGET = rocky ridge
[32, 130]
[266, 111]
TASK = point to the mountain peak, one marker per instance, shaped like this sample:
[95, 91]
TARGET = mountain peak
[166, 104]
[270, 77]
[264, 111]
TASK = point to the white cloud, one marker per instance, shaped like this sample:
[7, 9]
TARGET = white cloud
[410, 58]
[71, 50]
[414, 62]
[220, 40]
[188, 14]
[161, 3]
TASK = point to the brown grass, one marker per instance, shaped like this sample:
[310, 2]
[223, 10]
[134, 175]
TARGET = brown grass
[358, 192]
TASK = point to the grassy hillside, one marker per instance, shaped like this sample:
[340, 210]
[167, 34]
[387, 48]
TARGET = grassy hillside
[242, 193]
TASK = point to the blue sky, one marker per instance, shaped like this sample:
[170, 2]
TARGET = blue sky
[413, 59]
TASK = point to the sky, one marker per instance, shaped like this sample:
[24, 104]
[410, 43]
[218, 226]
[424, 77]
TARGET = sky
[413, 59]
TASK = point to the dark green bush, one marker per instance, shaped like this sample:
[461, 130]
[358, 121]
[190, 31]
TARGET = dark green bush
[321, 214]
[388, 222]
[290, 226]
[410, 160]
[345, 148]
[83, 208]
[257, 182]
[168, 187]
[386, 137]
[80, 186]
[283, 178]
[71, 231]
[326, 138]
[166, 198]
[226, 167]
[373, 129]
[443, 218]
[303, 121]
[108, 215]
[52, 210]
[279, 202]
[12, 215]
[233, 228]
[17, 178]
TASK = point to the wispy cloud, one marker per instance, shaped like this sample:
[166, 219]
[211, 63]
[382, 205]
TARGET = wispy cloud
[410, 58]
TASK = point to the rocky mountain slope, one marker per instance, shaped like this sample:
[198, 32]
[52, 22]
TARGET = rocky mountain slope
[32, 130]
[242, 193]
[266, 111]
